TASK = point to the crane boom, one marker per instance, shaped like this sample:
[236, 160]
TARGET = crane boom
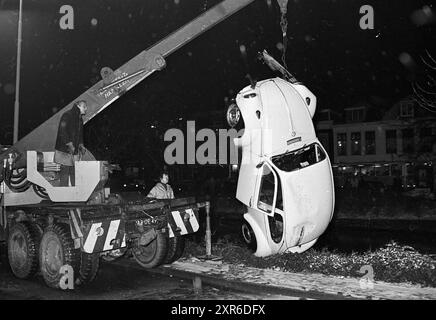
[115, 83]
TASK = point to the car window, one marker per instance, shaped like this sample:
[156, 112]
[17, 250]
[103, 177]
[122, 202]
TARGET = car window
[299, 159]
[266, 191]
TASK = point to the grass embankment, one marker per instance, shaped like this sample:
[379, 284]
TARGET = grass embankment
[393, 263]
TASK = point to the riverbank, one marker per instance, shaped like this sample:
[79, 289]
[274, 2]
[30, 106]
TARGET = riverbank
[292, 284]
[393, 263]
[381, 223]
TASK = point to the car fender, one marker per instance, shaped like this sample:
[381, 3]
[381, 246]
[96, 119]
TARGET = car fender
[257, 223]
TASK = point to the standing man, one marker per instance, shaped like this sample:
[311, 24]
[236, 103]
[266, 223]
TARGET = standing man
[69, 141]
[162, 190]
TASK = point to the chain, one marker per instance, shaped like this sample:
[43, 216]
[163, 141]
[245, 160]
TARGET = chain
[284, 25]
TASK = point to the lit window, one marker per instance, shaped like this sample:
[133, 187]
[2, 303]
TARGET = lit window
[342, 144]
[355, 144]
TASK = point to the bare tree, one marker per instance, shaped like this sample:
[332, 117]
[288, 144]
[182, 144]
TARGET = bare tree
[425, 90]
[424, 94]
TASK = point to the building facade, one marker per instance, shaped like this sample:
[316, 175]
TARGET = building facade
[393, 147]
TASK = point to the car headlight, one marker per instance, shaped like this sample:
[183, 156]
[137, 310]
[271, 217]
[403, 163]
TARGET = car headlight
[233, 115]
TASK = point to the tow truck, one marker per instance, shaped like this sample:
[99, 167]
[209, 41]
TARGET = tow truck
[47, 227]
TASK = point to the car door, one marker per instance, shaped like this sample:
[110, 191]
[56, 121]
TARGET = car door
[269, 202]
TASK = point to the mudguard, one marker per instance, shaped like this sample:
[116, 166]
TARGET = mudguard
[257, 223]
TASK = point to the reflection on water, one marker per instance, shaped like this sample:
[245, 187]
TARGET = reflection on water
[349, 239]
[361, 235]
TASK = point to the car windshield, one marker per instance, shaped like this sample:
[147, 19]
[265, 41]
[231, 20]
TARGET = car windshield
[300, 158]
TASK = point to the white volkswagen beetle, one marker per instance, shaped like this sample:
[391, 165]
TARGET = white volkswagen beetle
[285, 176]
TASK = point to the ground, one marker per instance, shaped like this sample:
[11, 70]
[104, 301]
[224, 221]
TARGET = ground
[118, 282]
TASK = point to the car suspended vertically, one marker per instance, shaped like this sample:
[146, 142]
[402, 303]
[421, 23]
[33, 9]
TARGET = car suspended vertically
[285, 177]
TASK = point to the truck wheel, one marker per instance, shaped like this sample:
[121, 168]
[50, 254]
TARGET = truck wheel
[153, 254]
[176, 246]
[56, 250]
[249, 236]
[23, 245]
[89, 264]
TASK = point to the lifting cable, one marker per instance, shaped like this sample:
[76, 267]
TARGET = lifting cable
[20, 188]
[284, 25]
[17, 181]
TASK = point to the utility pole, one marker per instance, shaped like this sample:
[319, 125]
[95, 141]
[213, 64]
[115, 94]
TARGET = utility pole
[17, 83]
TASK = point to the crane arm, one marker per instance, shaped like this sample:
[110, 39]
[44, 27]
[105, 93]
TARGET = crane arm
[115, 83]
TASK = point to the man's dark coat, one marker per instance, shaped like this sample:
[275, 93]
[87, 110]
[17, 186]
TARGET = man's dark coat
[70, 130]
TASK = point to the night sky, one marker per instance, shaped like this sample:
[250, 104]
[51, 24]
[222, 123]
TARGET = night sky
[327, 50]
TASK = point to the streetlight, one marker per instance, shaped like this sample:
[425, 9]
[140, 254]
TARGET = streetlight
[17, 83]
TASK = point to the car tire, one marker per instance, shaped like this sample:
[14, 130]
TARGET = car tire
[248, 236]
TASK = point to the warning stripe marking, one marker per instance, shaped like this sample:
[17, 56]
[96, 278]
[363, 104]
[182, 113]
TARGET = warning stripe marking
[89, 244]
[179, 222]
[75, 223]
[101, 234]
[187, 223]
[123, 243]
[121, 234]
[170, 231]
[111, 234]
[101, 239]
[193, 220]
[173, 226]
[176, 221]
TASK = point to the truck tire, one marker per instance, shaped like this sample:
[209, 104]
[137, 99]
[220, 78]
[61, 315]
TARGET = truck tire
[57, 250]
[153, 254]
[23, 245]
[176, 246]
[89, 265]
